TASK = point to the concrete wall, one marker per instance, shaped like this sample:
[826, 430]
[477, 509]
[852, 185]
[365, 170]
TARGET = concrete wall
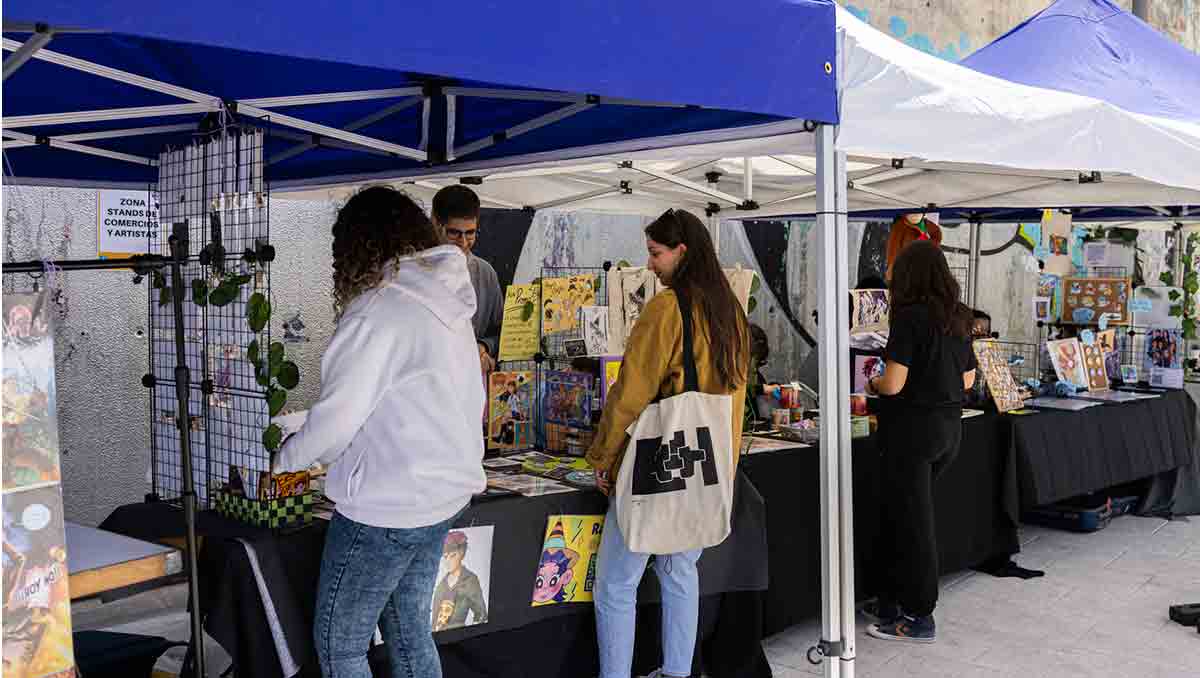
[952, 30]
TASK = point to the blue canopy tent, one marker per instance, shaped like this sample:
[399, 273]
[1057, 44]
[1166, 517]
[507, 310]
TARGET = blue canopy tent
[97, 90]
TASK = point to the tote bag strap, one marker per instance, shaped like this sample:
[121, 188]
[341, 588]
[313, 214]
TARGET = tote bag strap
[691, 382]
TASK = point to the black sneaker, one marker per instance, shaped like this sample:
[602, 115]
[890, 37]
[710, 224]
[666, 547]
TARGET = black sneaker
[907, 629]
[880, 611]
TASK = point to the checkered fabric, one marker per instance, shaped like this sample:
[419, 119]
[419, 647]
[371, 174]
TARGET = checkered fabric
[275, 514]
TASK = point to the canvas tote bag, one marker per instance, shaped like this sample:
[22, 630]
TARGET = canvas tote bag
[674, 491]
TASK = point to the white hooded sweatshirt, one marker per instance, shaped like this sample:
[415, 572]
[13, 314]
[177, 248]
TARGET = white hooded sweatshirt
[397, 422]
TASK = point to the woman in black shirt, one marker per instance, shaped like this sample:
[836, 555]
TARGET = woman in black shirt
[929, 364]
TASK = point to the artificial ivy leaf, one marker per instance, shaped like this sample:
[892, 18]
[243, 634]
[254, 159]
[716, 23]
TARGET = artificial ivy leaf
[1174, 295]
[276, 398]
[258, 312]
[199, 292]
[164, 296]
[527, 312]
[289, 375]
[271, 437]
[1176, 312]
[756, 285]
[623, 264]
[223, 295]
[160, 281]
[261, 375]
[275, 353]
[1166, 278]
[252, 353]
[596, 285]
[1189, 328]
[238, 280]
[752, 305]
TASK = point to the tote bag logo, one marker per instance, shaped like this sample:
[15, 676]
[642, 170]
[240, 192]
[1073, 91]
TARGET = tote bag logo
[660, 468]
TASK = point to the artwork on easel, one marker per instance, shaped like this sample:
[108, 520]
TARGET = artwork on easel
[869, 311]
[462, 593]
[510, 410]
[594, 320]
[1086, 299]
[1004, 389]
[31, 447]
[567, 398]
[36, 599]
[1067, 357]
[1163, 361]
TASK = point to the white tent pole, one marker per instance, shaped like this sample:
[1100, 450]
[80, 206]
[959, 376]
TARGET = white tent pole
[845, 451]
[332, 132]
[332, 97]
[828, 331]
[25, 52]
[523, 128]
[80, 148]
[973, 262]
[74, 117]
[451, 124]
[748, 178]
[366, 121]
[686, 183]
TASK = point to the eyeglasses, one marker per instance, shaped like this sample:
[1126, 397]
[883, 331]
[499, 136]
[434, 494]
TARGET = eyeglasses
[458, 234]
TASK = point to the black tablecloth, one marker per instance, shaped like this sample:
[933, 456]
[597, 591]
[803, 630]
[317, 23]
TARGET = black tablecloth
[975, 503]
[234, 558]
[1065, 454]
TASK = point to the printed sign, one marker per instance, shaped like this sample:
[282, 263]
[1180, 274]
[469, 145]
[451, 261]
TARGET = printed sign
[126, 222]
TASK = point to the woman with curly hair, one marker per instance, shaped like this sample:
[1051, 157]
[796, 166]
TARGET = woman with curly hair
[397, 423]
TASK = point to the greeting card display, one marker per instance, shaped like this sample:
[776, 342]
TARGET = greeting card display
[1086, 299]
[1005, 391]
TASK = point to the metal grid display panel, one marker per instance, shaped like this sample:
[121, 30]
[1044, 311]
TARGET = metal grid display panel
[960, 274]
[554, 437]
[217, 187]
[1027, 367]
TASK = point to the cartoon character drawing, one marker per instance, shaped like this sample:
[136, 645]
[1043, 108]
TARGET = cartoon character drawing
[554, 572]
[458, 593]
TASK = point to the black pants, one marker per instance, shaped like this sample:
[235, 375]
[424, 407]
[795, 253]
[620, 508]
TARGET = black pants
[916, 446]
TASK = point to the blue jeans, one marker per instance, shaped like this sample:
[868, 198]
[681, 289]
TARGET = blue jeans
[618, 573]
[377, 575]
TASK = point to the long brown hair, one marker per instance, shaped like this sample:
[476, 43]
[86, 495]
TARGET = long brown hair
[920, 275]
[375, 227]
[699, 277]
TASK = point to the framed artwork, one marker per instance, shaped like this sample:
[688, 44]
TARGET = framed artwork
[1067, 357]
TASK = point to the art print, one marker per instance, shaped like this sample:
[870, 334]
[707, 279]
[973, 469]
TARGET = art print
[1056, 231]
[567, 398]
[519, 336]
[511, 397]
[566, 570]
[1048, 288]
[1067, 357]
[561, 300]
[629, 290]
[1086, 299]
[1163, 359]
[1041, 309]
[996, 373]
[462, 593]
[36, 598]
[611, 370]
[866, 368]
[30, 429]
[869, 311]
[594, 320]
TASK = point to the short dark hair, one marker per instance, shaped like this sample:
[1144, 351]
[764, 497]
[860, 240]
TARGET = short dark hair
[455, 202]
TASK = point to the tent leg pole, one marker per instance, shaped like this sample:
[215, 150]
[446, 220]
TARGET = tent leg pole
[973, 263]
[828, 304]
[845, 453]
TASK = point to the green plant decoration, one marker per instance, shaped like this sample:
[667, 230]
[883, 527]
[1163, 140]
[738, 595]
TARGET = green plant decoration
[1183, 304]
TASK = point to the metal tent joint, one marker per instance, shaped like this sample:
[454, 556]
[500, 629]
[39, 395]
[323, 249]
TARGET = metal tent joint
[825, 648]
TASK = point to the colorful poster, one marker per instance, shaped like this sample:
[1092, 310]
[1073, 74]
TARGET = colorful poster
[36, 597]
[567, 398]
[1056, 245]
[1085, 299]
[1004, 389]
[594, 320]
[511, 398]
[464, 579]
[869, 311]
[1163, 361]
[1067, 357]
[566, 571]
[561, 300]
[1048, 287]
[866, 368]
[1093, 364]
[31, 452]
[519, 337]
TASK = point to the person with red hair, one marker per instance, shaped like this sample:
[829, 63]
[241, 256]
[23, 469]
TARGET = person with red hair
[907, 229]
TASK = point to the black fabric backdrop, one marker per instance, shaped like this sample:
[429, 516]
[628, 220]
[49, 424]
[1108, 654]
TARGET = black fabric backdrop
[502, 236]
[1065, 454]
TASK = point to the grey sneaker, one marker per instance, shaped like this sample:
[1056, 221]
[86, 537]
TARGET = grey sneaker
[906, 629]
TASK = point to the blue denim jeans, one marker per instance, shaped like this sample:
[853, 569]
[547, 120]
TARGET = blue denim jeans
[618, 573]
[376, 575]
